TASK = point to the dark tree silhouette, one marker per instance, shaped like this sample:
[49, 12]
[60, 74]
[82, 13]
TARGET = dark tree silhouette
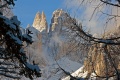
[13, 59]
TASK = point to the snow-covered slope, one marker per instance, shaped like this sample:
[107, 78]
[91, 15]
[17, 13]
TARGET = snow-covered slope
[54, 72]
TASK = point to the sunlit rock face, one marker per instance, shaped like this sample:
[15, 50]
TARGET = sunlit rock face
[61, 36]
[98, 60]
[59, 20]
[40, 22]
[37, 20]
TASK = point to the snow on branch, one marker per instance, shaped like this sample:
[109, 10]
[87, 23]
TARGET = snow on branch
[12, 50]
[7, 75]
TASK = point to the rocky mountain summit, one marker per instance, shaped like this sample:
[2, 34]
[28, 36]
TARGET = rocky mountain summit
[40, 22]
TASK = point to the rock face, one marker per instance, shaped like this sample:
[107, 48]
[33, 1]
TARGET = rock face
[40, 22]
[55, 20]
[96, 61]
[99, 62]
[37, 20]
[59, 20]
[43, 23]
[103, 59]
[60, 36]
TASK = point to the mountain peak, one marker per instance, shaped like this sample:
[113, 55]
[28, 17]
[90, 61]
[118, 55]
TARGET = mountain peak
[37, 20]
[43, 14]
[40, 22]
[58, 20]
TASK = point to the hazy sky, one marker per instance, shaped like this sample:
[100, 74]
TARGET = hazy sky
[27, 9]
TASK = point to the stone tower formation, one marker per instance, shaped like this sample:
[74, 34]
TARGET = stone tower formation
[40, 22]
[60, 21]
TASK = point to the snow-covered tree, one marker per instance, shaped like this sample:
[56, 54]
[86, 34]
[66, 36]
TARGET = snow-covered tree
[13, 59]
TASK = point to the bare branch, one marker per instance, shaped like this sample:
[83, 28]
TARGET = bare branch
[106, 2]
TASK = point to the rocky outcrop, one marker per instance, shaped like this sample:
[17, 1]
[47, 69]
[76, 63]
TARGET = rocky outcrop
[100, 62]
[43, 23]
[37, 20]
[59, 20]
[61, 37]
[40, 22]
[95, 62]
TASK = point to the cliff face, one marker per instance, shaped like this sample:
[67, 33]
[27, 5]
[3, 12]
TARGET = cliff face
[60, 21]
[37, 20]
[103, 61]
[97, 62]
[43, 23]
[60, 36]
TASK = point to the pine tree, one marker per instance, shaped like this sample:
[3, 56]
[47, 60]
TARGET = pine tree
[13, 59]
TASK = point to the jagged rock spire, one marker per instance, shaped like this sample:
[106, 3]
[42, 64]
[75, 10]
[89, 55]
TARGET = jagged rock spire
[37, 20]
[43, 22]
[59, 18]
[43, 15]
[40, 22]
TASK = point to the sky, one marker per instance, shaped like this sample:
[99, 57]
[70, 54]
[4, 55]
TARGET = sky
[26, 10]
[95, 23]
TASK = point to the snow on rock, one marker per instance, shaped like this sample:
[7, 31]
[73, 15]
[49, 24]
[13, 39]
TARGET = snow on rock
[34, 32]
[54, 72]
[69, 65]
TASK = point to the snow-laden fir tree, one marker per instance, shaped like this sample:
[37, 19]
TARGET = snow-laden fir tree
[13, 59]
